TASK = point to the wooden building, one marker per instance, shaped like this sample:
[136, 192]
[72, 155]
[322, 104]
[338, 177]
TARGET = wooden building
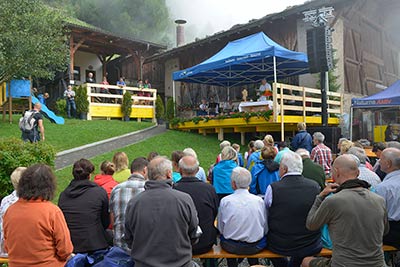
[365, 38]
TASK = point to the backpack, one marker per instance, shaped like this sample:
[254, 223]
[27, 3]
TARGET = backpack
[27, 122]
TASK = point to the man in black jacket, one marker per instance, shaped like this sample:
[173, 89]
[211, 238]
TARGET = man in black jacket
[161, 222]
[288, 202]
[205, 199]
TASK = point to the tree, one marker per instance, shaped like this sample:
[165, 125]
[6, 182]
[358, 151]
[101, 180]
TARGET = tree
[32, 40]
[143, 19]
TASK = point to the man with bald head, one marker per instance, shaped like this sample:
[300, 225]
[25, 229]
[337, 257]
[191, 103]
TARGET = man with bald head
[160, 222]
[356, 217]
[389, 189]
[205, 199]
[37, 133]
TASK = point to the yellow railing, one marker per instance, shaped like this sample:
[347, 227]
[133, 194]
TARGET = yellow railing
[3, 98]
[107, 105]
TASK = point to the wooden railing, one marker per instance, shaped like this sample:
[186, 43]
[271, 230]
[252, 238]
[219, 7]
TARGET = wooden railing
[108, 105]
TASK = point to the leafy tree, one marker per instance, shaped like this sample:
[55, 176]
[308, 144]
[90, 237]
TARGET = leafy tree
[32, 40]
[144, 19]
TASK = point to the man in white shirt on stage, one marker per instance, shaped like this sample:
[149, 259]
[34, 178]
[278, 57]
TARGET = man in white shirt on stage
[264, 90]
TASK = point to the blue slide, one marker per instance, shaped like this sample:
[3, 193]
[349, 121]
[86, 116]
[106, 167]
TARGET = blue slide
[50, 114]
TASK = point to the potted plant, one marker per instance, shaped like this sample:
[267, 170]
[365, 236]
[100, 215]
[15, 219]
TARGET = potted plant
[169, 111]
[160, 110]
[81, 101]
[126, 107]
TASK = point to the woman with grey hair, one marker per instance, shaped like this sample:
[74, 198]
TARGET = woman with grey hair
[201, 174]
[222, 172]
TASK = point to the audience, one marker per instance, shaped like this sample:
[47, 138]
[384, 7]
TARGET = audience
[312, 170]
[35, 231]
[205, 199]
[321, 154]
[269, 141]
[161, 223]
[356, 218]
[256, 155]
[239, 159]
[175, 158]
[345, 145]
[152, 155]
[7, 201]
[222, 145]
[389, 189]
[250, 150]
[105, 179]
[302, 139]
[121, 162]
[85, 208]
[242, 219]
[282, 147]
[122, 194]
[265, 172]
[222, 172]
[288, 202]
[201, 174]
[365, 173]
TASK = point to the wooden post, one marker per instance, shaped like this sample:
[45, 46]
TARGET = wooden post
[9, 104]
[71, 57]
[221, 134]
[243, 138]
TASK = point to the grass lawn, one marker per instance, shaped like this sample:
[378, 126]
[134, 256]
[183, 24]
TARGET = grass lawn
[206, 147]
[74, 132]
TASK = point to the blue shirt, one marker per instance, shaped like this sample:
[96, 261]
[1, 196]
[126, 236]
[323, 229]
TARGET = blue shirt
[302, 140]
[254, 158]
[389, 189]
[222, 176]
[176, 176]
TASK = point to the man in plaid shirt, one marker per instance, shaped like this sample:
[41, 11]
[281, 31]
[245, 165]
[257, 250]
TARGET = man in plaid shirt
[321, 154]
[122, 194]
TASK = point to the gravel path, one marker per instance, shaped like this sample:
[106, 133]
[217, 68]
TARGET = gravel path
[68, 157]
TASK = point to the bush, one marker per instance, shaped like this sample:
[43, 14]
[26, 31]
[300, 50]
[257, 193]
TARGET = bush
[61, 106]
[170, 109]
[81, 99]
[15, 153]
[160, 109]
[126, 107]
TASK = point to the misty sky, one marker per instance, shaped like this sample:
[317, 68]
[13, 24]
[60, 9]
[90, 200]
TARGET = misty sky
[205, 17]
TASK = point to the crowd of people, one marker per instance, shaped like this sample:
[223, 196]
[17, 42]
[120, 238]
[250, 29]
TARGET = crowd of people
[162, 211]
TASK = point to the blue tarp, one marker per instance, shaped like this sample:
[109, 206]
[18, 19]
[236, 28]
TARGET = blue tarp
[387, 98]
[246, 61]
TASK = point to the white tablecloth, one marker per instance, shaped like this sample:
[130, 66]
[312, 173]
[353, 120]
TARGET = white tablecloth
[247, 105]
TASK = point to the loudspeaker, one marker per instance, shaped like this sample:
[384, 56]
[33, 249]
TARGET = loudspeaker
[319, 49]
[332, 135]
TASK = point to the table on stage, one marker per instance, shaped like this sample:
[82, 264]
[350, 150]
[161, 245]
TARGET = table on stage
[256, 106]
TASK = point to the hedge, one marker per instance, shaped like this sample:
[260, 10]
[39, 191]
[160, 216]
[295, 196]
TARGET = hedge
[15, 153]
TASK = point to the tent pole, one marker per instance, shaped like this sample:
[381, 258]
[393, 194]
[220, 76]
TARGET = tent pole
[351, 123]
[275, 79]
[173, 94]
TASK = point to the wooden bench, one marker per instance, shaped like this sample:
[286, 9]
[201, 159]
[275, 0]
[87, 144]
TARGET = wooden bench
[217, 253]
[3, 260]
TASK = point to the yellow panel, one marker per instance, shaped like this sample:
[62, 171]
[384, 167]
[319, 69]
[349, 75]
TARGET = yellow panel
[379, 133]
[115, 112]
[142, 112]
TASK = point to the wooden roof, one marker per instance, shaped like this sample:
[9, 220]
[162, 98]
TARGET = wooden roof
[101, 42]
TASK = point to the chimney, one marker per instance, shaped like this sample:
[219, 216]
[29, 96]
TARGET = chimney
[180, 32]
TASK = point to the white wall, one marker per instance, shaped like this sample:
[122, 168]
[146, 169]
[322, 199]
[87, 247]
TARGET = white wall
[84, 60]
[171, 66]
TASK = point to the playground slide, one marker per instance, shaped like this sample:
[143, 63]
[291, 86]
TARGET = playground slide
[50, 114]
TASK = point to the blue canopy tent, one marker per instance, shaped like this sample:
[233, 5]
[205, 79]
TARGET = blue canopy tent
[246, 61]
[390, 97]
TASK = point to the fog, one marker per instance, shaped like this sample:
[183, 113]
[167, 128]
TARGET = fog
[206, 17]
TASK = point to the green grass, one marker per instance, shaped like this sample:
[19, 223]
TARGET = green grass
[206, 147]
[75, 133]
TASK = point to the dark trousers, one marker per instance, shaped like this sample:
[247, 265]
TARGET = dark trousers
[296, 257]
[242, 248]
[393, 237]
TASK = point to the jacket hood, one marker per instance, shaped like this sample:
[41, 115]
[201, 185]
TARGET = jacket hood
[102, 179]
[271, 165]
[78, 187]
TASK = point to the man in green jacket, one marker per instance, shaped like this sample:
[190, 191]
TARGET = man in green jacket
[312, 170]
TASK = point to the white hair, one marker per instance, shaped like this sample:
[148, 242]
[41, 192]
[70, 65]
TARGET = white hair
[359, 153]
[224, 144]
[190, 152]
[292, 162]
[241, 177]
[319, 137]
[258, 144]
[228, 153]
[303, 152]
[158, 168]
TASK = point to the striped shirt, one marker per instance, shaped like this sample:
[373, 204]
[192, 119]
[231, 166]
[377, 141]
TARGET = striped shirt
[120, 196]
[322, 155]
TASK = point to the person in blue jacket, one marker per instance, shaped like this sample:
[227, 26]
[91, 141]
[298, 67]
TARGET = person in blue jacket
[265, 172]
[222, 172]
[302, 139]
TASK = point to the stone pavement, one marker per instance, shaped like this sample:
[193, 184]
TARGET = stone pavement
[68, 157]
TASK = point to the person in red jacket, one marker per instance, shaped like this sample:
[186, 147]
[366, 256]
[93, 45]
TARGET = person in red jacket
[105, 179]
